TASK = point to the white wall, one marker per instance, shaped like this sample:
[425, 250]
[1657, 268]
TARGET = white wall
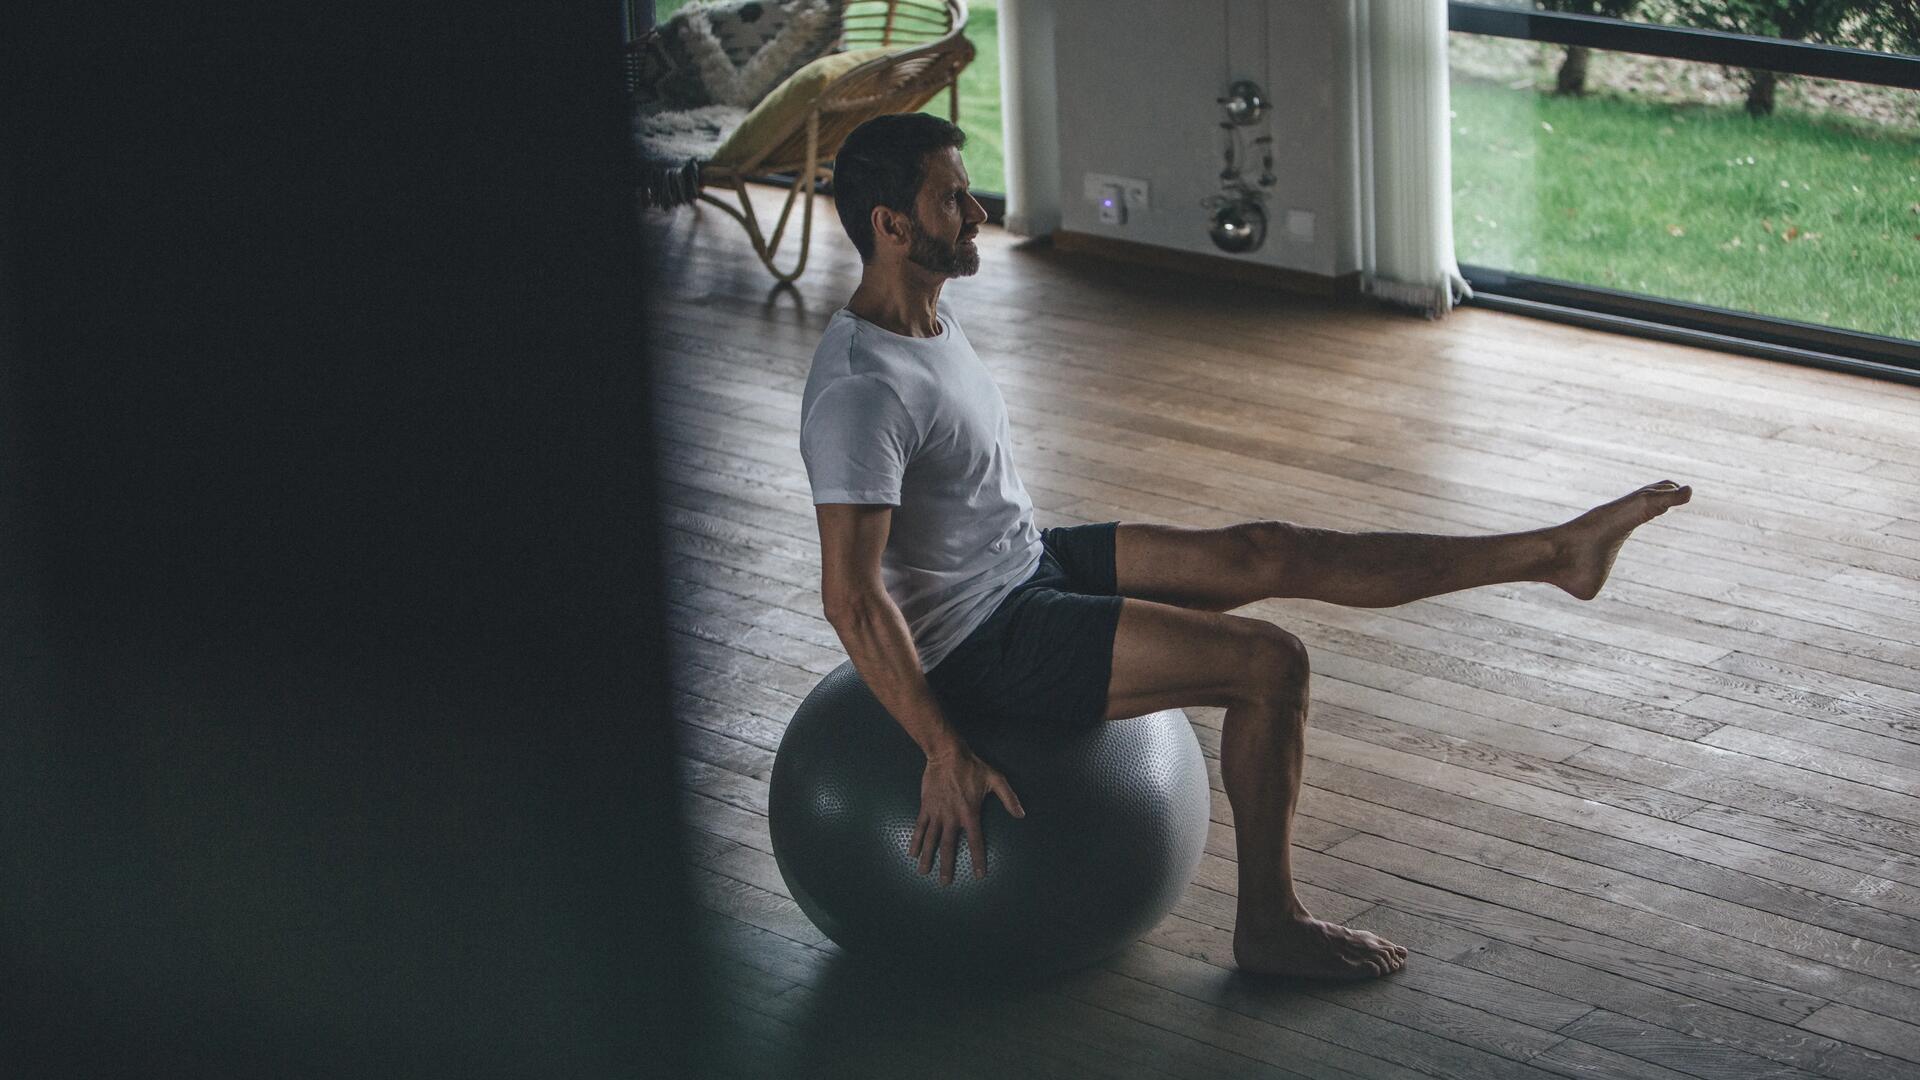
[1137, 82]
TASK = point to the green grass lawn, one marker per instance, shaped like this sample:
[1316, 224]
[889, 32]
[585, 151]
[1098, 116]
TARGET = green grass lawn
[980, 100]
[1791, 215]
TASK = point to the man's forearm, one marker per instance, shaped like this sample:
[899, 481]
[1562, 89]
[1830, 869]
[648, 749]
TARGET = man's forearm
[876, 638]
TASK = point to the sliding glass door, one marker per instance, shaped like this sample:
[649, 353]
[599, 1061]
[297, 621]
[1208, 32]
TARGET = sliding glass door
[1672, 177]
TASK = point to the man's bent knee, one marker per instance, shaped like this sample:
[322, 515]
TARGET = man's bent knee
[1277, 669]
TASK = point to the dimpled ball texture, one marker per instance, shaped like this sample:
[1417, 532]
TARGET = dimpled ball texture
[1116, 822]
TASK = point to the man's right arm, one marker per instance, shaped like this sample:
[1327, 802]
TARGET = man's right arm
[877, 639]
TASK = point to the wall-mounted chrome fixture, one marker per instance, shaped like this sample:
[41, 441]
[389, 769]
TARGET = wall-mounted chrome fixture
[1239, 222]
[1239, 212]
[1245, 104]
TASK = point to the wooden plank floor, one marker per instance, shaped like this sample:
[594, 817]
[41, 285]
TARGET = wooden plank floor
[1670, 832]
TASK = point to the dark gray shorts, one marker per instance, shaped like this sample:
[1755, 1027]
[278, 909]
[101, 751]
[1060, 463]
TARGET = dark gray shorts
[1043, 658]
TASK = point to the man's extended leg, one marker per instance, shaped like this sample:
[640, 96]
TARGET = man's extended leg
[1222, 569]
[1165, 657]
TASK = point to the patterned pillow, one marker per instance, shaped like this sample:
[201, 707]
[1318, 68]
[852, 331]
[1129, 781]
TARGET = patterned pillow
[730, 52]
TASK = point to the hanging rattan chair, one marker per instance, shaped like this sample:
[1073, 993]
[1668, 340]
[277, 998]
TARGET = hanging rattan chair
[933, 50]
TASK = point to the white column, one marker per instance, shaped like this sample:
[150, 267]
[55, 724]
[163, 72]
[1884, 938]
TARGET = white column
[1030, 115]
[1406, 177]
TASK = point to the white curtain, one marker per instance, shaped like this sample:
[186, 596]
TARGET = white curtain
[1405, 196]
[1029, 108]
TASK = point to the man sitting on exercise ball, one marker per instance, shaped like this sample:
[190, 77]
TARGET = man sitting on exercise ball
[952, 605]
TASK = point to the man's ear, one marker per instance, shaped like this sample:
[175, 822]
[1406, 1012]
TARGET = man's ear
[890, 223]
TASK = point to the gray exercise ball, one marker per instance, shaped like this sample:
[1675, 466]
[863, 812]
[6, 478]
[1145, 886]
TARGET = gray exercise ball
[1116, 822]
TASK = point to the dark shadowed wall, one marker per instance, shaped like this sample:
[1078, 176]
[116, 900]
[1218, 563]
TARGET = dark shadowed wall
[332, 724]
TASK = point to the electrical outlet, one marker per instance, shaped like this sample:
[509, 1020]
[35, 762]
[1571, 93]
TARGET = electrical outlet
[1113, 205]
[1136, 192]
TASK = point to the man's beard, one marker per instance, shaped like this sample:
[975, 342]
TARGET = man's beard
[932, 253]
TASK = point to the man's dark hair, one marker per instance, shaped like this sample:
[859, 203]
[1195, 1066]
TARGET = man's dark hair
[884, 163]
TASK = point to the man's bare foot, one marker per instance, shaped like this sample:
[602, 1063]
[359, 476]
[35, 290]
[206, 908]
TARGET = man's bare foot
[1589, 542]
[1310, 948]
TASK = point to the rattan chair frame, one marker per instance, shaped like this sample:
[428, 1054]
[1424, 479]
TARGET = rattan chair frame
[902, 82]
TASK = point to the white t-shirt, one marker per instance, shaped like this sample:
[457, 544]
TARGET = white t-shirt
[918, 424]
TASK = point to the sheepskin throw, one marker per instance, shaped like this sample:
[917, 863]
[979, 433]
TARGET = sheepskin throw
[732, 52]
[671, 147]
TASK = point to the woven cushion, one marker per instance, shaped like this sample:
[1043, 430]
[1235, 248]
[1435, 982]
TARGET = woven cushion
[787, 104]
[731, 52]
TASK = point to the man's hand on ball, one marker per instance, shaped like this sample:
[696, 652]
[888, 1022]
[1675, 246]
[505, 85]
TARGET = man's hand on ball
[952, 789]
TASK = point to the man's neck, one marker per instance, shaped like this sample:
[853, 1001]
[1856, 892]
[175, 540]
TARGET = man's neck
[903, 303]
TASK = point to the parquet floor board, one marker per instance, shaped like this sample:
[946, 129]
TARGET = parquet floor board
[1670, 833]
